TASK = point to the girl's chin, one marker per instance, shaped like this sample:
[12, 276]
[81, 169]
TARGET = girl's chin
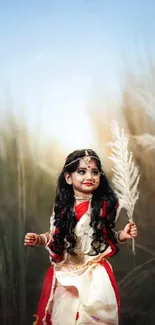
[87, 191]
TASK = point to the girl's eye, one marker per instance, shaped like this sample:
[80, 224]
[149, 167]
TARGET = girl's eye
[95, 172]
[81, 171]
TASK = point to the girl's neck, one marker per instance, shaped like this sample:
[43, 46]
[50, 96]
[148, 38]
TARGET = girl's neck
[83, 197]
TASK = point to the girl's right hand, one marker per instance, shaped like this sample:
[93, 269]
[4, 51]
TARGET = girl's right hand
[31, 239]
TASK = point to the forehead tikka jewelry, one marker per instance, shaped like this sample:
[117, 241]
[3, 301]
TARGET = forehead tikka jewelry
[87, 158]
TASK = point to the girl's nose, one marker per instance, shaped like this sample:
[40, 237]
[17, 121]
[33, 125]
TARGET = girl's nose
[89, 176]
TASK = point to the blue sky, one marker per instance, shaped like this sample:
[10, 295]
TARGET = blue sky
[55, 53]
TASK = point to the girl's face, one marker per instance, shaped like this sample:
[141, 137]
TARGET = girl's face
[85, 179]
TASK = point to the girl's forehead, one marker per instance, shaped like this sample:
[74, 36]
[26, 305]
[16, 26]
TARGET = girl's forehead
[90, 164]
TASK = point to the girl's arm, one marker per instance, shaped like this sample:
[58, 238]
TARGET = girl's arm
[33, 239]
[129, 232]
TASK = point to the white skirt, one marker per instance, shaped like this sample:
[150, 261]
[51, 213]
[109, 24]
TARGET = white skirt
[86, 298]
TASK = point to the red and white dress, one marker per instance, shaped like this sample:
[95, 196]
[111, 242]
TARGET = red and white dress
[80, 290]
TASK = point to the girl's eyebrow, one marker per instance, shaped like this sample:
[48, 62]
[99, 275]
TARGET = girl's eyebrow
[86, 168]
[82, 168]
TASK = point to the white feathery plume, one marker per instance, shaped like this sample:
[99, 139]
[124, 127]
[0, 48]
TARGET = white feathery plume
[126, 173]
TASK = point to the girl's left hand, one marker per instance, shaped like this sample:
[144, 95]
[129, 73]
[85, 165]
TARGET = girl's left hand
[130, 231]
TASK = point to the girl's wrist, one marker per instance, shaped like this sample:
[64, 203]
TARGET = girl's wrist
[44, 239]
[41, 240]
[119, 238]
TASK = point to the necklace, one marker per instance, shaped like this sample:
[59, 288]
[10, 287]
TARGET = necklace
[83, 198]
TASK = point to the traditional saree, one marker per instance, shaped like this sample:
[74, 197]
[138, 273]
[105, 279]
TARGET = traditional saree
[81, 289]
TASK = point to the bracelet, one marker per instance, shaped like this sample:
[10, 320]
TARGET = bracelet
[45, 239]
[41, 240]
[117, 234]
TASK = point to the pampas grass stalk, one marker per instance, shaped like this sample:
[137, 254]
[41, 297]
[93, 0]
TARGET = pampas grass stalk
[126, 174]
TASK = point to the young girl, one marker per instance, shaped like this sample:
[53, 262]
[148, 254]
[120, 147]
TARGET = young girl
[80, 287]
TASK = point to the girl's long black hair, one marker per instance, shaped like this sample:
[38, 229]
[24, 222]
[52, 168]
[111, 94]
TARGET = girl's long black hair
[65, 218]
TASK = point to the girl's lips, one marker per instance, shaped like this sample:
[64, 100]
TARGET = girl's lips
[89, 184]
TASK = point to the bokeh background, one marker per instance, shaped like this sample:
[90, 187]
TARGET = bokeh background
[67, 69]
